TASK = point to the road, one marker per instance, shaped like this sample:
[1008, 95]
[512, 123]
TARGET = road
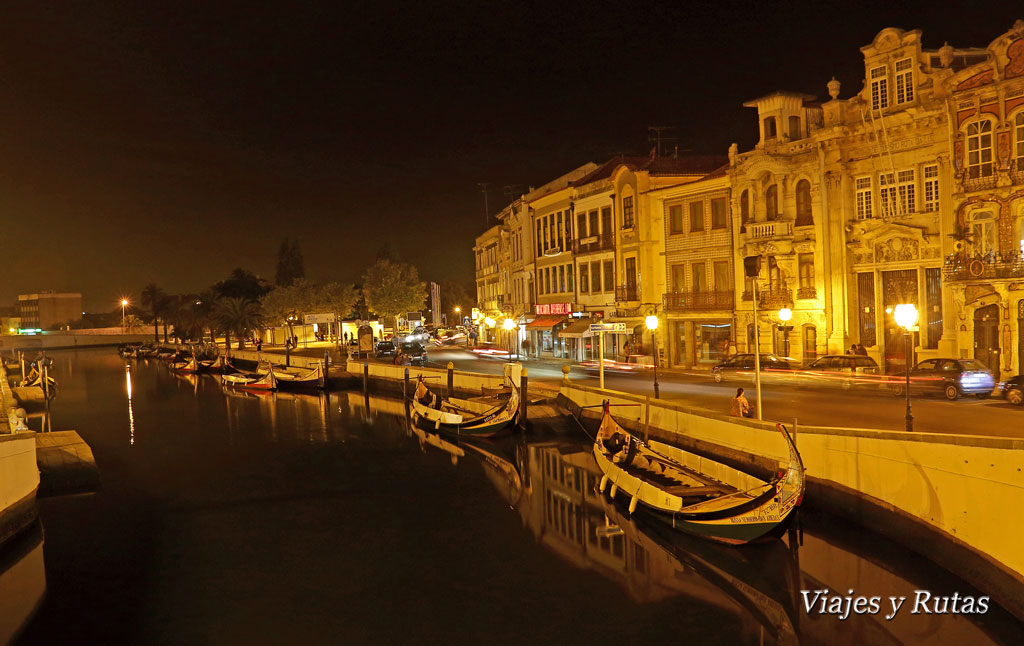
[784, 403]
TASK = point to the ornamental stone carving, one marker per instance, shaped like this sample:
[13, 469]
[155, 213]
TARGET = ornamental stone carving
[946, 55]
[833, 88]
[896, 250]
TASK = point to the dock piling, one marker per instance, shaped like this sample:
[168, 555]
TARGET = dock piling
[451, 379]
[366, 377]
[523, 399]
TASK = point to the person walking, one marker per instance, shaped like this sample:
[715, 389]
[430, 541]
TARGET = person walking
[259, 345]
[861, 350]
[740, 405]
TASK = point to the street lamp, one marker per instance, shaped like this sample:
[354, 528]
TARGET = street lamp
[785, 315]
[906, 317]
[652, 325]
[509, 326]
[124, 304]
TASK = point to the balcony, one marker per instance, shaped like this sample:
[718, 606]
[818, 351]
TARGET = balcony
[982, 183]
[806, 292]
[600, 242]
[769, 230]
[984, 267]
[626, 293]
[773, 297]
[683, 301]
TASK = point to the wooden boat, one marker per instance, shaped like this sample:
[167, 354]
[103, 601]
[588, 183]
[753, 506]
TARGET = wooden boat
[251, 381]
[147, 352]
[733, 508]
[463, 416]
[185, 365]
[299, 380]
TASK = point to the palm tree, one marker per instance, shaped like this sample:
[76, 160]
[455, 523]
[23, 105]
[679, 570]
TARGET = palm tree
[155, 299]
[238, 316]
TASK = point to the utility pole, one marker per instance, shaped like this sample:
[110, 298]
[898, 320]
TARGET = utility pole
[487, 209]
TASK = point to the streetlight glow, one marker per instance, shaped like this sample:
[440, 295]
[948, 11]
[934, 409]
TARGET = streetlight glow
[509, 324]
[905, 315]
[785, 314]
[490, 322]
[652, 322]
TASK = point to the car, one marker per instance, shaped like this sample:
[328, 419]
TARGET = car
[384, 349]
[951, 377]
[741, 366]
[410, 354]
[632, 364]
[1013, 390]
[845, 370]
[488, 349]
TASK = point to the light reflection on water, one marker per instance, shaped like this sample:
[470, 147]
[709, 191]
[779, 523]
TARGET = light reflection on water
[317, 516]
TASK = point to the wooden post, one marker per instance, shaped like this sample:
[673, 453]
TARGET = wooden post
[405, 392]
[796, 423]
[523, 399]
[451, 379]
[647, 419]
[366, 377]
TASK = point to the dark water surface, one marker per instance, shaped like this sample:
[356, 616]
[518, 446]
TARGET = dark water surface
[301, 519]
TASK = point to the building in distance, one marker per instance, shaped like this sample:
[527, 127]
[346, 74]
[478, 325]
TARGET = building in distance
[48, 310]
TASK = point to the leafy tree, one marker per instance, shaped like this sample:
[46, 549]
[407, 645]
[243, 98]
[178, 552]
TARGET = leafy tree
[454, 295]
[392, 288]
[154, 298]
[242, 284]
[289, 304]
[238, 316]
[290, 265]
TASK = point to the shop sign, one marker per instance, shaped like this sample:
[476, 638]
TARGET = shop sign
[310, 319]
[563, 309]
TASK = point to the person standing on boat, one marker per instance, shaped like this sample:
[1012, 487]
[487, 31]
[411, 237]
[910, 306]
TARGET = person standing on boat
[740, 405]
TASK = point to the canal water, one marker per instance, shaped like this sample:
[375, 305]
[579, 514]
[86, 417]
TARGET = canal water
[301, 519]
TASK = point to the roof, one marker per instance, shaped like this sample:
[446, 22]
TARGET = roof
[779, 93]
[545, 322]
[688, 165]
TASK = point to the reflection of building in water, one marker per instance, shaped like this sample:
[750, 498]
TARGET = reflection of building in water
[22, 583]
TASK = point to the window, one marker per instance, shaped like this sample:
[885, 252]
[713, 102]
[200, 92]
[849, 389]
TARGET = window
[606, 220]
[745, 207]
[979, 149]
[810, 343]
[584, 279]
[983, 233]
[879, 88]
[718, 219]
[933, 296]
[558, 233]
[581, 226]
[568, 278]
[794, 128]
[723, 277]
[1018, 138]
[887, 193]
[907, 187]
[866, 301]
[931, 188]
[679, 278]
[540, 249]
[771, 201]
[897, 193]
[904, 80]
[769, 128]
[696, 216]
[862, 186]
[547, 280]
[803, 203]
[609, 274]
[627, 212]
[567, 244]
[561, 278]
[806, 267]
[675, 218]
[699, 275]
[592, 216]
[595, 277]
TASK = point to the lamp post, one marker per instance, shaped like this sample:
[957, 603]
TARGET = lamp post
[906, 317]
[124, 304]
[785, 315]
[652, 324]
[509, 326]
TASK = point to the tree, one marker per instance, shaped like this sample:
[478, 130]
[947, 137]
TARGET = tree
[242, 284]
[454, 295]
[392, 288]
[289, 304]
[238, 316]
[155, 299]
[290, 265]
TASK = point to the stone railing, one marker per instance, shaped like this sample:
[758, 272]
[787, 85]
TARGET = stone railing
[698, 301]
[626, 293]
[768, 230]
[806, 292]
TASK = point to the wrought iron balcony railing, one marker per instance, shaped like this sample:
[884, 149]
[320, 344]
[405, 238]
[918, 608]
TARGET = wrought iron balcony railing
[806, 292]
[698, 301]
[626, 293]
[984, 267]
[589, 244]
[978, 183]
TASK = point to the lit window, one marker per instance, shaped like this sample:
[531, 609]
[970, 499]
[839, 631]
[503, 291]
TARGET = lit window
[1018, 136]
[803, 203]
[879, 88]
[627, 212]
[979, 149]
[863, 188]
[908, 199]
[771, 200]
[904, 80]
[983, 234]
[896, 193]
[931, 188]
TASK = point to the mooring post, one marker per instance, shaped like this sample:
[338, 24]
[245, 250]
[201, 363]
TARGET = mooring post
[405, 392]
[796, 423]
[451, 379]
[524, 382]
[366, 377]
[327, 369]
[647, 419]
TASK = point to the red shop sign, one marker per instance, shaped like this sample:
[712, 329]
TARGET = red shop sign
[554, 308]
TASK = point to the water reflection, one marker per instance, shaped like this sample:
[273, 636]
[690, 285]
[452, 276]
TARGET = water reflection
[131, 412]
[22, 582]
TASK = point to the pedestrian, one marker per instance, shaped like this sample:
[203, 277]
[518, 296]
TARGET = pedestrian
[853, 349]
[740, 405]
[861, 350]
[259, 345]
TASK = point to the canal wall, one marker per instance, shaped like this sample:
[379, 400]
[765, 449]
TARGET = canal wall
[953, 498]
[19, 475]
[65, 340]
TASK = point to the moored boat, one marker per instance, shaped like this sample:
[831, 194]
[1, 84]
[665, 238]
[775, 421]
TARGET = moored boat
[189, 365]
[300, 380]
[734, 507]
[264, 381]
[463, 416]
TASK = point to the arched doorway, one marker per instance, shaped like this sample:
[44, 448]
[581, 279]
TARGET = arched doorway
[986, 337]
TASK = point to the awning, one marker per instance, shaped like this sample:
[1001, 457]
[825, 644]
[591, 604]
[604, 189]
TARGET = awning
[545, 322]
[578, 329]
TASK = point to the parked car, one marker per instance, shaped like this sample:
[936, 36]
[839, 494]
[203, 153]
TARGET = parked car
[951, 377]
[384, 349]
[844, 370]
[410, 354]
[1013, 390]
[741, 366]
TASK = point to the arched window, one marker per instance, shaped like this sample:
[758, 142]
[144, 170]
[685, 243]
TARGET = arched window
[771, 200]
[979, 149]
[745, 207]
[769, 128]
[1018, 139]
[810, 343]
[803, 203]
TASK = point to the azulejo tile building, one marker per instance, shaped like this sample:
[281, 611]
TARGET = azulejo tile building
[910, 190]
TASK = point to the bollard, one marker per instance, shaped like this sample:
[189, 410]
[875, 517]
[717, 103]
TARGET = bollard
[565, 374]
[523, 388]
[405, 395]
[366, 377]
[451, 379]
[327, 370]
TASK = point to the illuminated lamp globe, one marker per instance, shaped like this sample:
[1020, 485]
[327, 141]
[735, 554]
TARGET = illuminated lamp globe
[652, 322]
[785, 314]
[509, 324]
[124, 302]
[490, 322]
[905, 315]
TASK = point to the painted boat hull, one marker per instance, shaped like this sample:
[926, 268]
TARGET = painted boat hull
[487, 424]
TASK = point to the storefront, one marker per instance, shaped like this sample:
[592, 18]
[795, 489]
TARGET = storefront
[580, 346]
[700, 344]
[545, 340]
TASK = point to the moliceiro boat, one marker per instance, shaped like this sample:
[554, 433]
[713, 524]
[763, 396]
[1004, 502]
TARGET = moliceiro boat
[188, 365]
[463, 416]
[692, 493]
[263, 381]
[301, 379]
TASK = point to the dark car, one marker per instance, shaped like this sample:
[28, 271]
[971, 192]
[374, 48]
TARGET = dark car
[384, 349]
[843, 370]
[741, 367]
[1013, 390]
[951, 377]
[410, 354]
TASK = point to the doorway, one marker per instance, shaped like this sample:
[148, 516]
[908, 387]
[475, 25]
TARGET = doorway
[986, 337]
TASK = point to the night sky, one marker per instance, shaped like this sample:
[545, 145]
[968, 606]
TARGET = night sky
[172, 142]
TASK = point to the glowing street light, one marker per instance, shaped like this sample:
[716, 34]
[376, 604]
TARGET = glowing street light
[124, 304]
[785, 315]
[652, 324]
[906, 317]
[509, 325]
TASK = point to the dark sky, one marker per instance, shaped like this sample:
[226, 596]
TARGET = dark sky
[172, 142]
